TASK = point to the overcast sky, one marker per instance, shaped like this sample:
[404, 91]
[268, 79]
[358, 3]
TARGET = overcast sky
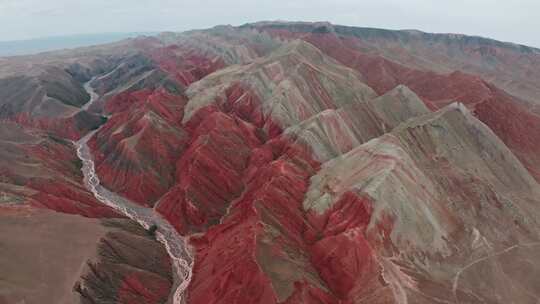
[510, 20]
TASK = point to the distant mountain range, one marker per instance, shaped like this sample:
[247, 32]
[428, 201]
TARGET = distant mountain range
[38, 45]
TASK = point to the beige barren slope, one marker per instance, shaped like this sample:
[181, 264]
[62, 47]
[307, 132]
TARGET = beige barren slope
[43, 254]
[337, 131]
[449, 201]
[233, 45]
[293, 83]
[50, 257]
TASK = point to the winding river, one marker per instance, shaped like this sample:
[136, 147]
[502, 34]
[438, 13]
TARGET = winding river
[176, 245]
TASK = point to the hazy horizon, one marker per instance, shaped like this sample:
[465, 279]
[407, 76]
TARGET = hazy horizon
[124, 35]
[82, 35]
[45, 44]
[510, 21]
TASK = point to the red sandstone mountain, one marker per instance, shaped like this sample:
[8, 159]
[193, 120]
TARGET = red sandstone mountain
[303, 162]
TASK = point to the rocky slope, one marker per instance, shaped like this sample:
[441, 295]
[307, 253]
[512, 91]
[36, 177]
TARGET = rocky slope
[463, 204]
[42, 170]
[305, 162]
[391, 58]
[98, 261]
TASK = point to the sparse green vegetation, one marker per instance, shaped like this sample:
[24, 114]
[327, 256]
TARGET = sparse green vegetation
[78, 164]
[152, 230]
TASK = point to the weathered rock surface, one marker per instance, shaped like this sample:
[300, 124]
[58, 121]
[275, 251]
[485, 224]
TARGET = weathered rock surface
[307, 162]
[209, 173]
[113, 261]
[293, 83]
[43, 170]
[130, 267]
[135, 149]
[334, 132]
[444, 193]
[443, 81]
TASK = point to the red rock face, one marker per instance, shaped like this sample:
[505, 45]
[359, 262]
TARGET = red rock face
[43, 170]
[129, 155]
[227, 265]
[125, 100]
[337, 262]
[68, 198]
[311, 172]
[136, 149]
[186, 66]
[341, 253]
[209, 173]
[143, 288]
[272, 197]
[130, 268]
[244, 104]
[73, 127]
[304, 293]
[342, 260]
[227, 252]
[349, 212]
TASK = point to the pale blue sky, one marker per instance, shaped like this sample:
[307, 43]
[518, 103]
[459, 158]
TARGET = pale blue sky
[510, 20]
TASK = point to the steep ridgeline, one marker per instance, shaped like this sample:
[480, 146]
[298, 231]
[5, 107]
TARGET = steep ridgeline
[441, 69]
[248, 142]
[446, 201]
[42, 170]
[336, 131]
[176, 247]
[100, 284]
[233, 113]
[356, 250]
[285, 163]
[135, 151]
